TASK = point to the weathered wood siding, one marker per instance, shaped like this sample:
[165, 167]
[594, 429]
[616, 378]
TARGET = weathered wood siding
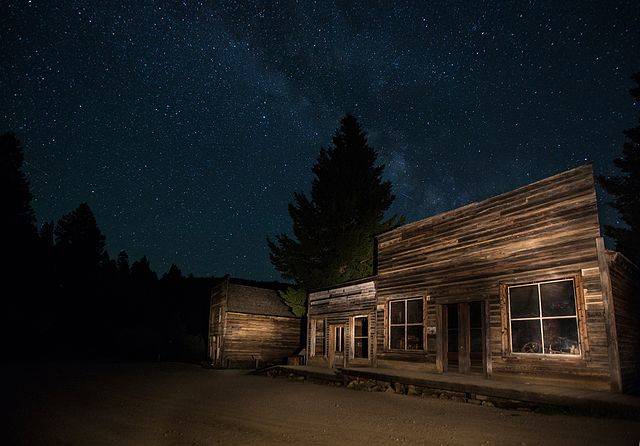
[339, 306]
[244, 337]
[542, 231]
[216, 326]
[625, 284]
[251, 337]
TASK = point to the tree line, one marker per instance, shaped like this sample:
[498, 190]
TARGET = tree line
[65, 297]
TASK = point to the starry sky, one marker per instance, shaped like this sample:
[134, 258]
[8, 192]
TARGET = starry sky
[187, 126]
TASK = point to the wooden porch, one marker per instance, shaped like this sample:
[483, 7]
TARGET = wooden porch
[476, 389]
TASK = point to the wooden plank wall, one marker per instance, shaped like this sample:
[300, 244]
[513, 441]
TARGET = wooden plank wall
[338, 306]
[625, 284]
[270, 339]
[216, 328]
[545, 230]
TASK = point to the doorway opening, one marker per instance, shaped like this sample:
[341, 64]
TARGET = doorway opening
[464, 333]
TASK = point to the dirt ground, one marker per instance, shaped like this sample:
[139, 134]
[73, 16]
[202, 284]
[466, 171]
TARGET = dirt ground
[142, 404]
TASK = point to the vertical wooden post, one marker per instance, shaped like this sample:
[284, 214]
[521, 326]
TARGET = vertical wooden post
[464, 338]
[486, 337]
[609, 316]
[441, 338]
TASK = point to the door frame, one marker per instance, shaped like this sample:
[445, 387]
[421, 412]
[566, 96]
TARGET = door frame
[332, 345]
[464, 337]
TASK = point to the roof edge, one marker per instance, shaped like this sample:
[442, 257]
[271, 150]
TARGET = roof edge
[345, 284]
[473, 203]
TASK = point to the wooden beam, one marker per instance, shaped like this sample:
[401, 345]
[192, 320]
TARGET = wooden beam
[486, 337]
[441, 338]
[609, 316]
[464, 338]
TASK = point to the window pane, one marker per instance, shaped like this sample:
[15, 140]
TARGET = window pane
[558, 299]
[561, 336]
[361, 348]
[414, 337]
[414, 311]
[525, 337]
[397, 312]
[361, 325]
[397, 338]
[523, 301]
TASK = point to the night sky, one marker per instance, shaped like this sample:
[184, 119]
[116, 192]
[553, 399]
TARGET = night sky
[187, 126]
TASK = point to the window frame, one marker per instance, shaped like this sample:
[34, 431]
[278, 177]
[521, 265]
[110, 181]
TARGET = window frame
[405, 325]
[540, 318]
[354, 337]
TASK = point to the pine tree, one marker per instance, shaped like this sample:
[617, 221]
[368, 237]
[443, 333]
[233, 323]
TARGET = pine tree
[173, 275]
[625, 188]
[79, 242]
[123, 263]
[333, 230]
[17, 225]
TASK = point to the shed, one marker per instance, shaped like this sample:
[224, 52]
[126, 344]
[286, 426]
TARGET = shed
[250, 326]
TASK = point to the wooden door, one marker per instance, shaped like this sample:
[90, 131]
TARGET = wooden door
[464, 337]
[336, 345]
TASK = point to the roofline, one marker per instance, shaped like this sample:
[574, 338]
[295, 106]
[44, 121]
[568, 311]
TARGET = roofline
[293, 316]
[265, 285]
[564, 172]
[345, 284]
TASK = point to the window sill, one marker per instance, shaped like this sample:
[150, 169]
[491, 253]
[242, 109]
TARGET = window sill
[518, 357]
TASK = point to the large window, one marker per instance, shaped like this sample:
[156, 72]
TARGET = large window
[405, 324]
[543, 318]
[361, 337]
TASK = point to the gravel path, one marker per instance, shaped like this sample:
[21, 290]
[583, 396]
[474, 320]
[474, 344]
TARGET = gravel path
[183, 404]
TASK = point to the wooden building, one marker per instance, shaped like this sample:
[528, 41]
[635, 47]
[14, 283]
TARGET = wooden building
[517, 285]
[250, 326]
[348, 314]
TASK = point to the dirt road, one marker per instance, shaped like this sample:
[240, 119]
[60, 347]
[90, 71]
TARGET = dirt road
[141, 404]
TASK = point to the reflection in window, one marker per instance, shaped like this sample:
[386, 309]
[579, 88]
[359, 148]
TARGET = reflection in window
[543, 318]
[405, 324]
[361, 337]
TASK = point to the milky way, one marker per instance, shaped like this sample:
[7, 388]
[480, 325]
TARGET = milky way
[187, 126]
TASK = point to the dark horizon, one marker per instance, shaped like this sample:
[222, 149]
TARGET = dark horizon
[187, 128]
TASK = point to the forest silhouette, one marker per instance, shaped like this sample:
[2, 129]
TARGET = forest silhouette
[64, 296]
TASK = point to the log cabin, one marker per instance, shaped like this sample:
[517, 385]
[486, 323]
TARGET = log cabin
[250, 326]
[517, 286]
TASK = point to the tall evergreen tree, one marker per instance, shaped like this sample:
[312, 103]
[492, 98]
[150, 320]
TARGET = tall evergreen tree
[333, 229]
[123, 263]
[79, 242]
[23, 285]
[17, 225]
[625, 189]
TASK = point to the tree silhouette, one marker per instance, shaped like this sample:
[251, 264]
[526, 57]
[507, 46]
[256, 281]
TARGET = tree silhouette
[123, 263]
[23, 283]
[79, 241]
[333, 230]
[625, 188]
[17, 226]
